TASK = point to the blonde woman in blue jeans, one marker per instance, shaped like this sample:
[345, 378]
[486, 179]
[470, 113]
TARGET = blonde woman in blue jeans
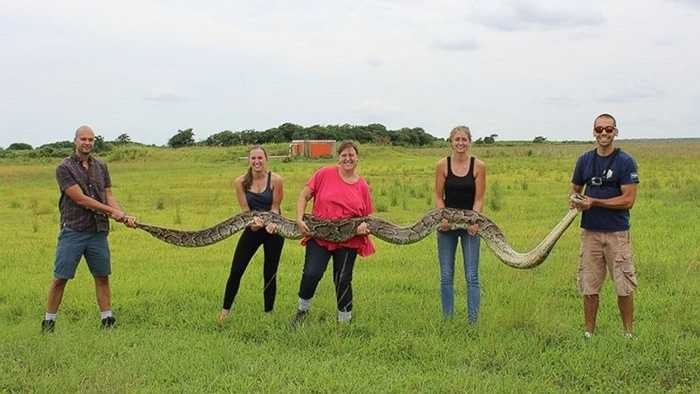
[460, 182]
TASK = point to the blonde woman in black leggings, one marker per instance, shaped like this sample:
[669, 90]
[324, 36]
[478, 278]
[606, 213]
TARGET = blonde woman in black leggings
[257, 190]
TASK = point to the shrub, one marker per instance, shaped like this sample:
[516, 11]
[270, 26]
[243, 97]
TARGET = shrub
[19, 146]
[127, 154]
[182, 138]
[58, 145]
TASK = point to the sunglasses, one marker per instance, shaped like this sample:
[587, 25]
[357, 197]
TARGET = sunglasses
[607, 129]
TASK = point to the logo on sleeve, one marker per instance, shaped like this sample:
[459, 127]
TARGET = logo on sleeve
[634, 177]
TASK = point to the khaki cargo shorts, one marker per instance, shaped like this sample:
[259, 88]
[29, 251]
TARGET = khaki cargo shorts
[601, 250]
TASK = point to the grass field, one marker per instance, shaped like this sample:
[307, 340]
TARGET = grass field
[528, 338]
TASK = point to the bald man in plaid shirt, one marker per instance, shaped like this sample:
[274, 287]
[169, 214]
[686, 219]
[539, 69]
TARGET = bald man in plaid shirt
[86, 205]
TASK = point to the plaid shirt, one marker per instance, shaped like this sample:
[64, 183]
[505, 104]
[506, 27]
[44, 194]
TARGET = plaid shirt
[92, 181]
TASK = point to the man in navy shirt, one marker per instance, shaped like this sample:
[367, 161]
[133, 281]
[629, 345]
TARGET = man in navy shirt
[610, 179]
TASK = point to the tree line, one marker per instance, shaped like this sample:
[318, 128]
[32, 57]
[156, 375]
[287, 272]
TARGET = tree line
[372, 133]
[287, 132]
[63, 148]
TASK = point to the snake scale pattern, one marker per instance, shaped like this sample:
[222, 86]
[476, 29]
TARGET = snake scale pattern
[342, 230]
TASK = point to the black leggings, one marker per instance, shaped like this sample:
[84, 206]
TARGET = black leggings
[248, 244]
[315, 263]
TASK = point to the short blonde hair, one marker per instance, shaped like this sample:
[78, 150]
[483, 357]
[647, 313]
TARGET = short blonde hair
[463, 129]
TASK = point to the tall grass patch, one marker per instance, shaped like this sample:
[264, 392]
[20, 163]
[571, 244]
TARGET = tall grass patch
[528, 338]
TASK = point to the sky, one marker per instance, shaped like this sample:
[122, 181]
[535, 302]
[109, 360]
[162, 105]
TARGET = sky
[518, 69]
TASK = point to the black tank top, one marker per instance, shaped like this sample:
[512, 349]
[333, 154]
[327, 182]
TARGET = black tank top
[260, 201]
[460, 190]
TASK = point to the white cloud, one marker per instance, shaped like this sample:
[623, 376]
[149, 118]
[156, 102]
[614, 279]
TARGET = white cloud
[536, 15]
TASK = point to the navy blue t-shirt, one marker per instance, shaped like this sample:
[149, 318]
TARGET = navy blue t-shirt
[603, 176]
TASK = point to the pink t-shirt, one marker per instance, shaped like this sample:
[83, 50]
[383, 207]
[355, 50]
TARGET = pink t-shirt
[336, 199]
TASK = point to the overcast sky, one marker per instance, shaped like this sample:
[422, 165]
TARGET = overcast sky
[515, 68]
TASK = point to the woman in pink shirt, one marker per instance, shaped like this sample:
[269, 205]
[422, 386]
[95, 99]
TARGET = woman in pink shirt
[338, 193]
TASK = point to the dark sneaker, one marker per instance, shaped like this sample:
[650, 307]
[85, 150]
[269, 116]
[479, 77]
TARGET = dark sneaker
[48, 325]
[109, 322]
[299, 318]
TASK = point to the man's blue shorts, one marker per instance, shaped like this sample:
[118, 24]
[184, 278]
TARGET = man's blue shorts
[72, 245]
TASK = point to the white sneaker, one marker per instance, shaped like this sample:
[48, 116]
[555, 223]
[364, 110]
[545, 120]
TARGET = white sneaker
[587, 334]
[629, 335]
[344, 317]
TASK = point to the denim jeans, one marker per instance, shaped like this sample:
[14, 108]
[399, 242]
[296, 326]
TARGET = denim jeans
[315, 263]
[447, 245]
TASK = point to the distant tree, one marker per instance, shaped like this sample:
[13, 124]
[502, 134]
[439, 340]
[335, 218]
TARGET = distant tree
[55, 149]
[479, 141]
[288, 129]
[300, 135]
[100, 144]
[423, 137]
[249, 137]
[361, 134]
[123, 139]
[539, 139]
[318, 132]
[58, 145]
[382, 140]
[379, 133]
[19, 146]
[182, 138]
[274, 135]
[376, 128]
[489, 140]
[224, 138]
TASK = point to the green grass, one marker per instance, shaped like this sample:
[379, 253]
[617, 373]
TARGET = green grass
[166, 298]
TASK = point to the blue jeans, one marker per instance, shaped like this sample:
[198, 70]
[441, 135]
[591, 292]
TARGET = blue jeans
[447, 245]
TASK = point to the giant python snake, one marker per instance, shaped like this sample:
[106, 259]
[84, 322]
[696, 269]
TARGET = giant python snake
[342, 230]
